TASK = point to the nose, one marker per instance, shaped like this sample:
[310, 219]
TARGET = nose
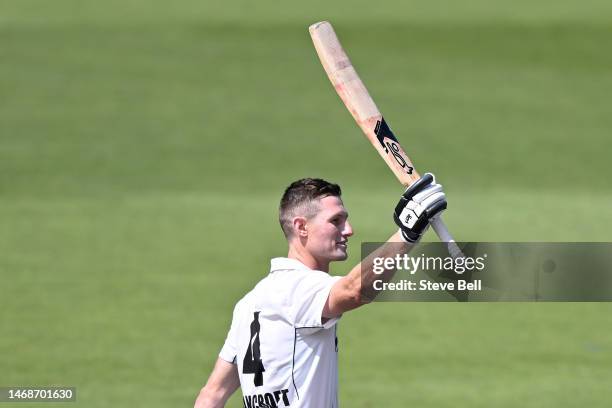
[348, 229]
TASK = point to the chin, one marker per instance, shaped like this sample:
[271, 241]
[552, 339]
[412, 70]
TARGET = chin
[341, 256]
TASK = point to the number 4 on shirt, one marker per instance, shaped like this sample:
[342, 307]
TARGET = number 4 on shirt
[252, 363]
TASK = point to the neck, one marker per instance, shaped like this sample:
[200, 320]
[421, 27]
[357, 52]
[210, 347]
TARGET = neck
[305, 257]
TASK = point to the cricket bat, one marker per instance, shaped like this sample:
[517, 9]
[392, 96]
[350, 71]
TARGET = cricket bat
[358, 101]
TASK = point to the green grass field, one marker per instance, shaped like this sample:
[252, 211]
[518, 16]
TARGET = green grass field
[144, 147]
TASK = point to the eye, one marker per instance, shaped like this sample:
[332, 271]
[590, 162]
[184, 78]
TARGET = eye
[338, 220]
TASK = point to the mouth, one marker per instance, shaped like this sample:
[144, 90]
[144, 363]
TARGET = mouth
[342, 245]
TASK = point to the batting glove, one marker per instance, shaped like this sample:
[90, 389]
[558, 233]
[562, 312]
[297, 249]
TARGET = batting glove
[421, 202]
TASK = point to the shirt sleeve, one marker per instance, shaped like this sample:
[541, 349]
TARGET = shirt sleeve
[309, 298]
[229, 350]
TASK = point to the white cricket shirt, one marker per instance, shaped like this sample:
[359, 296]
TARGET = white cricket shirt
[286, 356]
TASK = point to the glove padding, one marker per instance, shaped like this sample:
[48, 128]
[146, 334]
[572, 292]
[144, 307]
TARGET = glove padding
[421, 202]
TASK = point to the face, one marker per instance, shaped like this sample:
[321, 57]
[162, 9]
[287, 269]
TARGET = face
[328, 231]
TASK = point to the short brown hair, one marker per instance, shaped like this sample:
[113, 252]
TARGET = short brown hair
[300, 199]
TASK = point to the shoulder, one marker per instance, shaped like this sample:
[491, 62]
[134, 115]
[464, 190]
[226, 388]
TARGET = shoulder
[314, 276]
[300, 280]
[267, 294]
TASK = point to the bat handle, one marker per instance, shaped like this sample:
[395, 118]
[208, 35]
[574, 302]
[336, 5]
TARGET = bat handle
[445, 236]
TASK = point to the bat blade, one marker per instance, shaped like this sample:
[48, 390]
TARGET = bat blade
[358, 101]
[360, 104]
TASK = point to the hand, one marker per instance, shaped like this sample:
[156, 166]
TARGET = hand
[421, 202]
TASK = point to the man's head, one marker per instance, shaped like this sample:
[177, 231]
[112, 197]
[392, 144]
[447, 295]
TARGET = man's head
[314, 219]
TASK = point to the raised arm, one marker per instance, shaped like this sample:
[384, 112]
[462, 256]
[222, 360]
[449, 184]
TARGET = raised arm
[421, 202]
[221, 384]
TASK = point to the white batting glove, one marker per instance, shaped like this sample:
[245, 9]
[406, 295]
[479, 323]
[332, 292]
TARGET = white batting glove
[421, 202]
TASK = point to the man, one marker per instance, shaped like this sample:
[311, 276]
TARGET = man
[281, 348]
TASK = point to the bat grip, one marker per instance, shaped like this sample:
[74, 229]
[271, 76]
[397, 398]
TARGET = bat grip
[445, 236]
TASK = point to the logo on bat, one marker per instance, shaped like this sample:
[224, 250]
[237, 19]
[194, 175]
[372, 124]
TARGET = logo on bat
[387, 140]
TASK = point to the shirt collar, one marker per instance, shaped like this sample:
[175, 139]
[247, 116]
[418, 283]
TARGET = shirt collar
[280, 264]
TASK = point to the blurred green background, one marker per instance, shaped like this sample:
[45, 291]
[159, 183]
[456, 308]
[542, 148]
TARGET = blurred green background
[144, 146]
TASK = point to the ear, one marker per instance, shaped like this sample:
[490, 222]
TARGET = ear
[300, 227]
